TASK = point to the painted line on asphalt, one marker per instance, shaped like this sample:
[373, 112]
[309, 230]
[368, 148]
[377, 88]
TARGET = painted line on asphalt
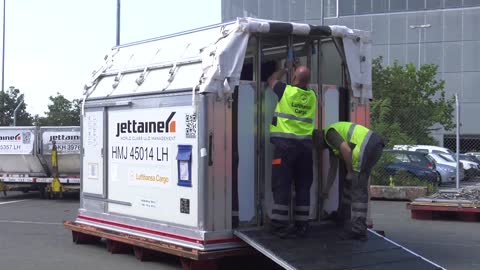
[15, 201]
[30, 222]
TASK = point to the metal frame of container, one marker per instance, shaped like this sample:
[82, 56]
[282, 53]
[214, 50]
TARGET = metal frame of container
[111, 197]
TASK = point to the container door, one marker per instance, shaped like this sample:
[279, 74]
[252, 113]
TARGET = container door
[93, 180]
[246, 152]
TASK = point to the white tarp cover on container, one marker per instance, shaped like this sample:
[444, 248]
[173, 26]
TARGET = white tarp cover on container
[212, 59]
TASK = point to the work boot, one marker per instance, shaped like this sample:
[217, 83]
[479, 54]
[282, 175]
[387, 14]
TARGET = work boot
[302, 228]
[284, 231]
[349, 235]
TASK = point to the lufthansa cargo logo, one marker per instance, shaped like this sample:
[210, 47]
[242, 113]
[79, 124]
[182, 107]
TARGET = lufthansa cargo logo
[133, 126]
[304, 99]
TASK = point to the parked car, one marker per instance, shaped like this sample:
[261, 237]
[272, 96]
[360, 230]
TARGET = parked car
[470, 167]
[447, 168]
[476, 155]
[415, 164]
[473, 171]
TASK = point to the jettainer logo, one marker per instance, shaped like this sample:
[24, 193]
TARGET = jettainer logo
[63, 137]
[139, 127]
[17, 137]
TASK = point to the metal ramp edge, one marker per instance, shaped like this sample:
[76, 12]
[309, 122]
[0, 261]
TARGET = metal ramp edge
[405, 254]
[263, 250]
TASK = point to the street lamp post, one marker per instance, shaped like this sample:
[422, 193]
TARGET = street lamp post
[420, 27]
[118, 23]
[3, 59]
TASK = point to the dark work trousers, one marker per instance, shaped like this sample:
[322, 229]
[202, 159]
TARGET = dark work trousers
[292, 161]
[354, 200]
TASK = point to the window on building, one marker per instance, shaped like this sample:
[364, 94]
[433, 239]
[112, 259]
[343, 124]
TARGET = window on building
[346, 7]
[453, 3]
[398, 5]
[434, 4]
[330, 8]
[471, 3]
[363, 6]
[379, 6]
[415, 4]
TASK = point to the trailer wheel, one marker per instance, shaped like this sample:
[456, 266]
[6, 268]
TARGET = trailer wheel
[189, 264]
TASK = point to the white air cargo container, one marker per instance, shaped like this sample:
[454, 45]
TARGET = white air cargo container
[18, 152]
[26, 161]
[175, 133]
[67, 139]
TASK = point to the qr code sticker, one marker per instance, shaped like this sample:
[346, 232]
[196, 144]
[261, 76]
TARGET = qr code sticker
[190, 126]
[26, 137]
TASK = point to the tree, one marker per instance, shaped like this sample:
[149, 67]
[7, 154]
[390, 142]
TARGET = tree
[61, 112]
[408, 103]
[8, 102]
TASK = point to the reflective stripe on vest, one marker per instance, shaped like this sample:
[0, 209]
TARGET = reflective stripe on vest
[295, 114]
[351, 133]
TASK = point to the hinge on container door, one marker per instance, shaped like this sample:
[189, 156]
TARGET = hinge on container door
[101, 152]
[229, 101]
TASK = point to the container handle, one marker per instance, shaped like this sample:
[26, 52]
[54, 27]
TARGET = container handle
[210, 149]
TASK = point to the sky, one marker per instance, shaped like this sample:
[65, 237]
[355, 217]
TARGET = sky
[54, 45]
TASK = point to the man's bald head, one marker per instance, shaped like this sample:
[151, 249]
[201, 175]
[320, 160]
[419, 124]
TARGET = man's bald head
[301, 76]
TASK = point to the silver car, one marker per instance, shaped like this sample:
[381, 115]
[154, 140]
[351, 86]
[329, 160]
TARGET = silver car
[446, 171]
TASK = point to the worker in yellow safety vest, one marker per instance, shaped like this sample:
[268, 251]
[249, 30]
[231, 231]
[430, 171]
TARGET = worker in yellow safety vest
[360, 149]
[291, 134]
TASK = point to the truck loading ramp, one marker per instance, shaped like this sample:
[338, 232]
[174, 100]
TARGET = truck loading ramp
[323, 250]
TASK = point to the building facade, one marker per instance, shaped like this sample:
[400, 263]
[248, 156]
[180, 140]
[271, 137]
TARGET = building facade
[442, 32]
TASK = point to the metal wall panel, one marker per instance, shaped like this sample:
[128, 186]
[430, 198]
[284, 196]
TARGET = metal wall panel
[452, 56]
[453, 25]
[266, 9]
[432, 54]
[470, 87]
[398, 28]
[398, 52]
[412, 54]
[434, 4]
[313, 10]
[471, 56]
[250, 8]
[364, 23]
[471, 21]
[415, 4]
[453, 82]
[282, 10]
[435, 32]
[347, 21]
[469, 115]
[380, 29]
[297, 10]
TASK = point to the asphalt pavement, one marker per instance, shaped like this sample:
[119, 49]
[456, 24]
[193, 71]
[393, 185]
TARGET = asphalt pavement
[33, 237]
[454, 245]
